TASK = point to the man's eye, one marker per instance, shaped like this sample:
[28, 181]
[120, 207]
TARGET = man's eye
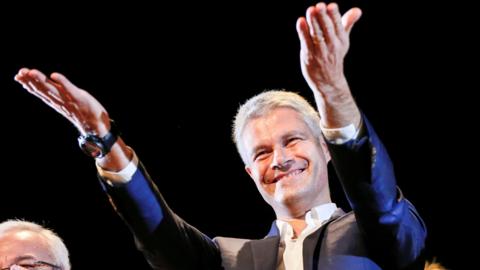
[27, 265]
[260, 155]
[292, 140]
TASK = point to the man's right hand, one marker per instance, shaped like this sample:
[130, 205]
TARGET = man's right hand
[79, 107]
[75, 104]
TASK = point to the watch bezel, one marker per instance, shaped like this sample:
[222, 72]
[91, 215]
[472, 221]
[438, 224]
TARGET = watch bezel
[96, 147]
[92, 145]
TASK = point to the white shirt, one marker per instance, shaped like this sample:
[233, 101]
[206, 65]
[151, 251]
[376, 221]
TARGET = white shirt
[291, 250]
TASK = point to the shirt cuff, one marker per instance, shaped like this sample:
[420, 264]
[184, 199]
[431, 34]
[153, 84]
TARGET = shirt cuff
[121, 177]
[341, 135]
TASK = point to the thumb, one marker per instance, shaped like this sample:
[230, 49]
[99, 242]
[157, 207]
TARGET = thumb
[350, 18]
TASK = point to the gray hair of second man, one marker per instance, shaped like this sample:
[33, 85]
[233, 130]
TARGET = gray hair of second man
[265, 102]
[55, 243]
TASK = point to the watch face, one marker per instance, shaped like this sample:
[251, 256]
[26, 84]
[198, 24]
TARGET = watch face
[91, 145]
[92, 149]
[97, 147]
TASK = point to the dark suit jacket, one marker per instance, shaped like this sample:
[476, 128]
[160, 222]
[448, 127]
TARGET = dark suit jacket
[384, 231]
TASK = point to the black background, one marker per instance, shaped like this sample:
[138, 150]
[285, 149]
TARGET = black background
[173, 76]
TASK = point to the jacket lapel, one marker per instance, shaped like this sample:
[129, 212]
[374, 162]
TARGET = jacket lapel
[265, 251]
[312, 244]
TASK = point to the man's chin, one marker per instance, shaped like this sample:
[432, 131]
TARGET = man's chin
[288, 199]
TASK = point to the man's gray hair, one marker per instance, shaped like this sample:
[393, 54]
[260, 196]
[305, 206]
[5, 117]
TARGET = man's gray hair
[263, 103]
[55, 243]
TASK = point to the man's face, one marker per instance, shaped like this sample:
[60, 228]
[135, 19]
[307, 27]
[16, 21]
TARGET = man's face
[286, 161]
[23, 247]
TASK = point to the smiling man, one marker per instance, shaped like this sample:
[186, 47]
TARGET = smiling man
[286, 150]
[285, 145]
[285, 159]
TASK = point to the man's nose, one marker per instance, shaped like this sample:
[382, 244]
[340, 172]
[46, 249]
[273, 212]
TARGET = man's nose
[282, 160]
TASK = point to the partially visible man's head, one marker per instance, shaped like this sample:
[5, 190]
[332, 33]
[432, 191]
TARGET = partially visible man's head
[23, 242]
[278, 135]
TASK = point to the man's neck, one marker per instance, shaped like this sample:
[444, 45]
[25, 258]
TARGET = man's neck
[301, 220]
[298, 225]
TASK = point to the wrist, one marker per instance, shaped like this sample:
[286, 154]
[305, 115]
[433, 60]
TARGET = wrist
[98, 127]
[119, 157]
[98, 143]
[340, 114]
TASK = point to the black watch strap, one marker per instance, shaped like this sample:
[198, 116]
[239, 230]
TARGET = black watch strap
[111, 137]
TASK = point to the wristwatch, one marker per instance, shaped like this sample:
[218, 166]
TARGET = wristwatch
[97, 147]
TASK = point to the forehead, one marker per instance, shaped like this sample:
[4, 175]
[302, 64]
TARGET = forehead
[275, 124]
[23, 243]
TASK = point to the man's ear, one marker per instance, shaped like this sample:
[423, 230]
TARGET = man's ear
[248, 170]
[328, 157]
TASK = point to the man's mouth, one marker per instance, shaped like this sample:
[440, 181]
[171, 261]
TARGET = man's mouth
[286, 175]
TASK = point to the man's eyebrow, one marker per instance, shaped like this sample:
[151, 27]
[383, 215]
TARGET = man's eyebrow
[24, 257]
[294, 133]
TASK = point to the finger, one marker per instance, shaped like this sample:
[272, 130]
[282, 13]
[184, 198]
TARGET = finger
[30, 87]
[326, 23]
[51, 94]
[350, 18]
[32, 80]
[61, 95]
[20, 79]
[21, 73]
[316, 32]
[62, 80]
[72, 93]
[26, 82]
[57, 107]
[41, 83]
[37, 74]
[334, 13]
[306, 44]
[70, 90]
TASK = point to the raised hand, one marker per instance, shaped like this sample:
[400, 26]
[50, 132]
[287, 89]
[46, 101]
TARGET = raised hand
[324, 40]
[75, 104]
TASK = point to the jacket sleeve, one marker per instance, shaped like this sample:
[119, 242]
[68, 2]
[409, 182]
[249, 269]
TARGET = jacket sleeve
[165, 239]
[391, 225]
